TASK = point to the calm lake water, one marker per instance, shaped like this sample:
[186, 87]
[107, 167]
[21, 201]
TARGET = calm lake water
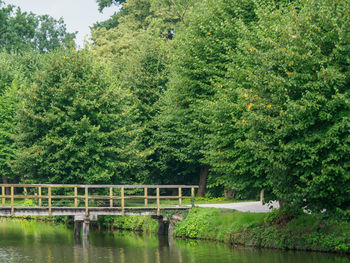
[23, 241]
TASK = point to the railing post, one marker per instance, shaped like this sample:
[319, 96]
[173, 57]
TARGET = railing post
[111, 197]
[123, 201]
[39, 192]
[50, 207]
[262, 195]
[158, 202]
[86, 201]
[146, 196]
[25, 192]
[75, 196]
[12, 199]
[3, 192]
[192, 196]
[180, 196]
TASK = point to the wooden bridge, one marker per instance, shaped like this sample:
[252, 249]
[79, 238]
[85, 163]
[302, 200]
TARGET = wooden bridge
[87, 202]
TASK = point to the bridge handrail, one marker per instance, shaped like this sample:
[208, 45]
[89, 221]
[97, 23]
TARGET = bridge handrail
[86, 197]
[131, 186]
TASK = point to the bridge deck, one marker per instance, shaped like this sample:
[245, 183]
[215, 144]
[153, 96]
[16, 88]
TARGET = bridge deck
[80, 211]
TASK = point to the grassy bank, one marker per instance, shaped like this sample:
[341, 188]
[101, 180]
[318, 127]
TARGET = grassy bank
[306, 232]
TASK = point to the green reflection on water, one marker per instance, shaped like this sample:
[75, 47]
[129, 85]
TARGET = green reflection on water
[32, 241]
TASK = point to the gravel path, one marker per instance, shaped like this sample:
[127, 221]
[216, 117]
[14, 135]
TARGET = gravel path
[254, 207]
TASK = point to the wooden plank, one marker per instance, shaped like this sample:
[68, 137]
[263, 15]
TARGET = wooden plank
[146, 196]
[123, 201]
[96, 197]
[111, 197]
[42, 185]
[75, 196]
[40, 200]
[158, 202]
[155, 197]
[12, 198]
[86, 201]
[180, 196]
[23, 196]
[3, 193]
[49, 193]
[99, 186]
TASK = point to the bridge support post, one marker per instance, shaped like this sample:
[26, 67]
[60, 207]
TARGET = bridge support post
[162, 225]
[77, 229]
[86, 227]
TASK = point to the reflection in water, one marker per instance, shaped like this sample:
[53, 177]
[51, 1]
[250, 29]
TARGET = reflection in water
[43, 243]
[122, 255]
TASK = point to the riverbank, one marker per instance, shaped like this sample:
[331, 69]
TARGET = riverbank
[305, 232]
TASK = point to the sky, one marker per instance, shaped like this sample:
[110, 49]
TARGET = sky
[77, 14]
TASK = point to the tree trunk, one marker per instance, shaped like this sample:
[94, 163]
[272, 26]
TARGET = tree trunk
[229, 193]
[5, 181]
[282, 203]
[203, 176]
[262, 197]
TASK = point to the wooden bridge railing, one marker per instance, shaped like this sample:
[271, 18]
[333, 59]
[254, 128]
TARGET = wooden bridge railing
[37, 194]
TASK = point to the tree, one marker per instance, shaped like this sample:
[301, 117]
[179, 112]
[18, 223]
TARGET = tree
[72, 127]
[138, 51]
[22, 31]
[8, 102]
[16, 72]
[293, 72]
[102, 4]
[51, 34]
[202, 49]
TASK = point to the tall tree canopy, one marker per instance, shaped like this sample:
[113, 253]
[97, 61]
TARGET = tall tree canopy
[16, 73]
[102, 4]
[22, 31]
[138, 51]
[202, 47]
[292, 70]
[71, 127]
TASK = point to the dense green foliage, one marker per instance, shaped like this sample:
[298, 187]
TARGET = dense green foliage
[16, 72]
[292, 70]
[71, 127]
[216, 224]
[134, 223]
[244, 95]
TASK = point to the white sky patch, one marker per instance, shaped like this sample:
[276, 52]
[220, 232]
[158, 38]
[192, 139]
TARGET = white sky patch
[78, 15]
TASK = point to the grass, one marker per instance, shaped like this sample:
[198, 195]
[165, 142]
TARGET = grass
[303, 232]
[216, 224]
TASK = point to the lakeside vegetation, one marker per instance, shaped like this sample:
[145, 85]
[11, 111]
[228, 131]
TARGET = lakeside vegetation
[302, 232]
[236, 96]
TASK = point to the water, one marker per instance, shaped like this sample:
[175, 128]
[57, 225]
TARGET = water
[29, 241]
